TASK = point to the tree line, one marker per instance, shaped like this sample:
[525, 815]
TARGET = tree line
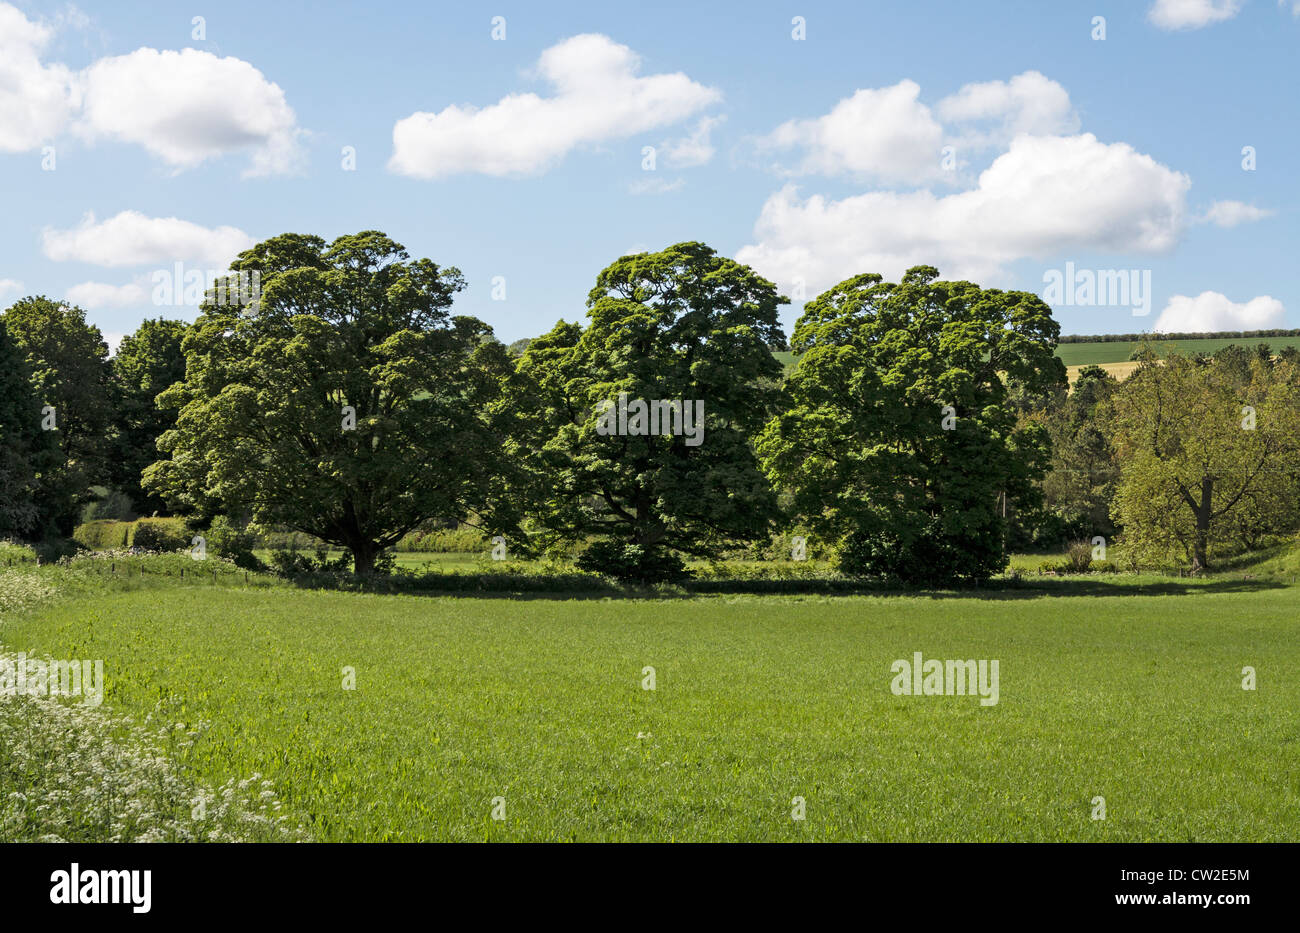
[927, 430]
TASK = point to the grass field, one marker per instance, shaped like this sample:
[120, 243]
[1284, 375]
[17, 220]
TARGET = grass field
[1116, 686]
[1114, 356]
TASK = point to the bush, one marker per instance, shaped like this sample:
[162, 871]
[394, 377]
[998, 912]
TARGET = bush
[934, 557]
[159, 534]
[631, 563]
[103, 535]
[235, 543]
[1078, 557]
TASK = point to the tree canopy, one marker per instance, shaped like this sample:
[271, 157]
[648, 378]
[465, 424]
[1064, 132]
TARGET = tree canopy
[901, 442]
[345, 402]
[684, 326]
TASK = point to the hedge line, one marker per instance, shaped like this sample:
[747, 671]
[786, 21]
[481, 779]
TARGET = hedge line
[1138, 338]
[168, 534]
[155, 534]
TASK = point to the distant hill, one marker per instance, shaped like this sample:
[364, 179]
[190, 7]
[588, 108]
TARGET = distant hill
[1112, 352]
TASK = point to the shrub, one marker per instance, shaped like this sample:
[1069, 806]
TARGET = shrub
[935, 557]
[1078, 557]
[233, 542]
[103, 534]
[159, 534]
[631, 563]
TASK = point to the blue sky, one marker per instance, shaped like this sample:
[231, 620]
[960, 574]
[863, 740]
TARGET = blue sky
[996, 141]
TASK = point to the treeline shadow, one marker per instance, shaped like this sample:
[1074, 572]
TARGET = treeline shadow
[584, 587]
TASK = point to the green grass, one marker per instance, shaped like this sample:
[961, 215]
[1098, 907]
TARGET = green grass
[1132, 693]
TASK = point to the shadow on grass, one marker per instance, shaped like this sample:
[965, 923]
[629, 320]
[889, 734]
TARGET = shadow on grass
[530, 587]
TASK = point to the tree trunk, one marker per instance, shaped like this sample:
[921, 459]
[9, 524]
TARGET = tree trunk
[1201, 559]
[363, 557]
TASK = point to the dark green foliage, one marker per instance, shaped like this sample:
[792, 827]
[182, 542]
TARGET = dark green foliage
[348, 404]
[146, 363]
[631, 563]
[683, 324]
[907, 439]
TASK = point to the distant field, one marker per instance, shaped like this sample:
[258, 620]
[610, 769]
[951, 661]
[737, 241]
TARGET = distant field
[1076, 355]
[1081, 354]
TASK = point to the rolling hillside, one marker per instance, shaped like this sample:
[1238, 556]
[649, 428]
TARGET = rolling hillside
[1113, 356]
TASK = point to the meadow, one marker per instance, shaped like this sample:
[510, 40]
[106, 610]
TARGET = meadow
[1121, 686]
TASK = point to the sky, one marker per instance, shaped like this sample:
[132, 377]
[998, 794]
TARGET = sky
[1131, 161]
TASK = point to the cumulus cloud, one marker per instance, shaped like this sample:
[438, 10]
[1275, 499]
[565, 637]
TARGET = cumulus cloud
[1002, 110]
[95, 295]
[184, 107]
[1191, 14]
[132, 239]
[1212, 311]
[1045, 194]
[36, 99]
[885, 134]
[889, 136]
[598, 97]
[1232, 213]
[693, 150]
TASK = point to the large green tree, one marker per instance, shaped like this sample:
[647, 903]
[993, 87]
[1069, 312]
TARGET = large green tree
[683, 325]
[146, 362]
[903, 444]
[26, 451]
[67, 361]
[345, 402]
[1205, 446]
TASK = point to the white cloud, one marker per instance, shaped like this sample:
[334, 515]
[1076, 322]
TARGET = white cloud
[1191, 14]
[113, 339]
[693, 150]
[1029, 103]
[1211, 311]
[10, 288]
[132, 239]
[598, 97]
[653, 185]
[95, 295]
[1232, 213]
[184, 107]
[1043, 195]
[888, 135]
[36, 100]
[189, 106]
[885, 134]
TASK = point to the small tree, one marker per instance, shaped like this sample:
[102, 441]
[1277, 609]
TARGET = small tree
[1204, 443]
